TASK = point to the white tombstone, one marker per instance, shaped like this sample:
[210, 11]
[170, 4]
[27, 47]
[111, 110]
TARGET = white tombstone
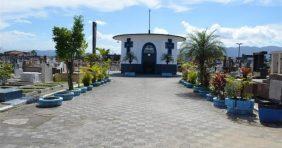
[276, 62]
[33, 77]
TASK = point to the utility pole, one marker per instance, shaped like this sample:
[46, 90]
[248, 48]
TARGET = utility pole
[239, 53]
[149, 21]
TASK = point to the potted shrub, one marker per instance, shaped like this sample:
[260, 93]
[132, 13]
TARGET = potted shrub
[167, 58]
[130, 57]
[191, 78]
[50, 102]
[86, 80]
[66, 95]
[218, 83]
[238, 101]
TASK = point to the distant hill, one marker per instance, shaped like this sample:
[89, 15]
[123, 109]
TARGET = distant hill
[48, 53]
[233, 51]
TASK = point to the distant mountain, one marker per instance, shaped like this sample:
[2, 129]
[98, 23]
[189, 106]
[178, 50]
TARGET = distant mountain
[48, 53]
[233, 51]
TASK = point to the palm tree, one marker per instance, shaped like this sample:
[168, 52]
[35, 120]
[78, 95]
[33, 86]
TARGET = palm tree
[204, 49]
[167, 58]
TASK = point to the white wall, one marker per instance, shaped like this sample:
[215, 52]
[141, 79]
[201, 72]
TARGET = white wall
[140, 41]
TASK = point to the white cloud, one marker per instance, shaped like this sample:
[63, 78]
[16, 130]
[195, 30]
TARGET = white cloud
[160, 30]
[100, 22]
[22, 21]
[261, 35]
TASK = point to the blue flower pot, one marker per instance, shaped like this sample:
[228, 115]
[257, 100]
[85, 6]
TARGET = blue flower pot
[76, 91]
[270, 112]
[219, 103]
[209, 97]
[181, 81]
[239, 107]
[203, 93]
[83, 89]
[189, 85]
[50, 102]
[89, 88]
[66, 95]
[197, 89]
[95, 84]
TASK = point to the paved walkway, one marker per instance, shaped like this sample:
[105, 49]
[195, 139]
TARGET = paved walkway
[134, 112]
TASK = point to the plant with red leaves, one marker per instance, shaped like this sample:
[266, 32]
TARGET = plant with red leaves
[245, 71]
[218, 83]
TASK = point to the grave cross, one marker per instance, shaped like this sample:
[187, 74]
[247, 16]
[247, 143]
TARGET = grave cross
[128, 44]
[169, 45]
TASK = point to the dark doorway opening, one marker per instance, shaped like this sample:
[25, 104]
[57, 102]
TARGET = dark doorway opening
[149, 55]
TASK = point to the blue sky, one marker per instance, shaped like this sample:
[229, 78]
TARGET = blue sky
[27, 24]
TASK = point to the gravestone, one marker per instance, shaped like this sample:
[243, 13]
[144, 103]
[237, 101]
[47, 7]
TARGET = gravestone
[275, 88]
[259, 65]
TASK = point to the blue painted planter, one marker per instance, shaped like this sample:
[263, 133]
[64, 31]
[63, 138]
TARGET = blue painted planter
[129, 74]
[50, 102]
[219, 103]
[95, 84]
[239, 107]
[197, 89]
[203, 93]
[189, 85]
[76, 91]
[83, 89]
[270, 112]
[181, 81]
[66, 95]
[89, 88]
[209, 97]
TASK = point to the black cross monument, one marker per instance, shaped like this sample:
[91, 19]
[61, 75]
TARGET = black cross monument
[169, 45]
[128, 44]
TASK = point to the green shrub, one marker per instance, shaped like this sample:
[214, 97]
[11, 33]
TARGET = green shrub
[192, 77]
[232, 87]
[86, 80]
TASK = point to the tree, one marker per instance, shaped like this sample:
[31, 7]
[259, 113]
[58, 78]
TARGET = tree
[33, 53]
[70, 45]
[204, 49]
[167, 58]
[6, 72]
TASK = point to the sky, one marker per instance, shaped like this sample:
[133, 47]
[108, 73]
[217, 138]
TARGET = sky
[27, 24]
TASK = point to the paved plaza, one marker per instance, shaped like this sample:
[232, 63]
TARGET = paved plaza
[134, 112]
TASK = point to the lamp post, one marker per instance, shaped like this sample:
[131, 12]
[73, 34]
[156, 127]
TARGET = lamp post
[239, 53]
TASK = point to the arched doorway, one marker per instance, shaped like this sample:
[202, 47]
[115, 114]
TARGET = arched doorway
[149, 55]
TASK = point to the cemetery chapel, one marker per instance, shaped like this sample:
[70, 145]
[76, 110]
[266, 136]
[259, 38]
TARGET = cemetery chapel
[148, 50]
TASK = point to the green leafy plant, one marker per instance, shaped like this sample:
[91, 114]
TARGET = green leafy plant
[86, 80]
[6, 71]
[192, 77]
[70, 45]
[185, 68]
[167, 58]
[203, 48]
[130, 57]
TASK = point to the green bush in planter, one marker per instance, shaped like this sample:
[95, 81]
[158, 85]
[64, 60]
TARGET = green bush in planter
[192, 77]
[86, 80]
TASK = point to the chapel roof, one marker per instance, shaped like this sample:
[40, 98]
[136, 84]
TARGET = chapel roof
[120, 36]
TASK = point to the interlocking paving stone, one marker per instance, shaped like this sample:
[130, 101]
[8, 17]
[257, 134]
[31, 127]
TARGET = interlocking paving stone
[135, 112]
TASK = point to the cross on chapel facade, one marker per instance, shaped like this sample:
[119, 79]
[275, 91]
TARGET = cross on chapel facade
[128, 44]
[169, 45]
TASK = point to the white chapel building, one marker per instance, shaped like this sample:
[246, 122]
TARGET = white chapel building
[149, 48]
